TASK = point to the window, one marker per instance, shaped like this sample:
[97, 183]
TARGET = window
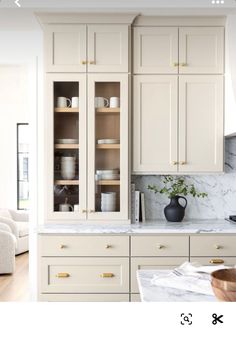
[22, 166]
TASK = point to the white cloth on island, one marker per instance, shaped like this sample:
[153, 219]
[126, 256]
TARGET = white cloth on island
[190, 277]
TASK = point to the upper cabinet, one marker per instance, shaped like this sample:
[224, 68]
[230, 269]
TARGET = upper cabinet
[82, 48]
[173, 50]
[155, 50]
[201, 50]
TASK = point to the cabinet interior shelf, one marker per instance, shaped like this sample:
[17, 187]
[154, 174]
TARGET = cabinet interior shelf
[108, 182]
[67, 182]
[66, 146]
[107, 110]
[108, 146]
[66, 110]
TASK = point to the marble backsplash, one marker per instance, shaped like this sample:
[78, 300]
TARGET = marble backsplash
[221, 189]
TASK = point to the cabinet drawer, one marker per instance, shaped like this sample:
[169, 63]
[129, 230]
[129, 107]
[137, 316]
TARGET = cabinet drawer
[213, 245]
[84, 297]
[228, 261]
[160, 246]
[84, 275]
[84, 246]
[152, 263]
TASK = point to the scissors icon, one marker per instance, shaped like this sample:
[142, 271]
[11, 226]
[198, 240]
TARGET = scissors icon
[217, 319]
[186, 319]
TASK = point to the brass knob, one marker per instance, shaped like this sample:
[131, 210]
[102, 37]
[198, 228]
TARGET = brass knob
[108, 246]
[62, 246]
[183, 64]
[182, 162]
[92, 62]
[174, 162]
[83, 62]
[84, 210]
[107, 275]
[159, 246]
[63, 275]
[175, 64]
[91, 211]
[216, 261]
[217, 246]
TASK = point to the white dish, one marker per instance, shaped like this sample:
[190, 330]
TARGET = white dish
[109, 177]
[67, 141]
[108, 141]
[107, 171]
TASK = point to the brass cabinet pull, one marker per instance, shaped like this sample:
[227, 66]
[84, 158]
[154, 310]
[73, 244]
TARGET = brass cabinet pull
[108, 246]
[107, 275]
[216, 261]
[92, 62]
[83, 62]
[91, 211]
[183, 64]
[217, 246]
[174, 162]
[62, 246]
[63, 275]
[182, 162]
[175, 64]
[84, 210]
[159, 246]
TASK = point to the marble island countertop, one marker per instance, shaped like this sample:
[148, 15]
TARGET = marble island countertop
[149, 227]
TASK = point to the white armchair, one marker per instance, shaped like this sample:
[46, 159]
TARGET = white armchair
[7, 249]
[18, 224]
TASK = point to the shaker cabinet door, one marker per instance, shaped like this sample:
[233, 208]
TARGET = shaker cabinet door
[201, 123]
[201, 50]
[65, 48]
[108, 48]
[155, 50]
[155, 120]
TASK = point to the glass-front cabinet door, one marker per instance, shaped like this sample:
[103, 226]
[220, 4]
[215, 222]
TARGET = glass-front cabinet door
[65, 147]
[108, 147]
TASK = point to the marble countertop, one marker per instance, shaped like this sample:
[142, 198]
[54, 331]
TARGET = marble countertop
[153, 293]
[149, 227]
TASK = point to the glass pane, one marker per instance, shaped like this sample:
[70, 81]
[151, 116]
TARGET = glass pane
[23, 199]
[107, 161]
[23, 166]
[66, 143]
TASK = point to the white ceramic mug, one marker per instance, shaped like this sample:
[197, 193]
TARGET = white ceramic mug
[76, 207]
[68, 167]
[114, 102]
[65, 207]
[75, 102]
[101, 102]
[63, 102]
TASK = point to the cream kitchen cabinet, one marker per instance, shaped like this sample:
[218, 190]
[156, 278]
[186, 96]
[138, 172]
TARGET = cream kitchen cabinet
[82, 171]
[178, 124]
[183, 50]
[81, 48]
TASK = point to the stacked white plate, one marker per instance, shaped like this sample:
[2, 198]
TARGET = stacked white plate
[67, 141]
[108, 201]
[108, 141]
[111, 174]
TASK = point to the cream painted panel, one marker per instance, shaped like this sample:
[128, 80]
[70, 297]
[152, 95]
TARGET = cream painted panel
[84, 275]
[228, 261]
[201, 50]
[152, 263]
[84, 297]
[135, 297]
[155, 50]
[201, 123]
[108, 49]
[65, 48]
[84, 245]
[159, 245]
[155, 120]
[213, 245]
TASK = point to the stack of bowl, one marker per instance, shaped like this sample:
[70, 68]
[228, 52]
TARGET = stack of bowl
[108, 174]
[224, 284]
[108, 201]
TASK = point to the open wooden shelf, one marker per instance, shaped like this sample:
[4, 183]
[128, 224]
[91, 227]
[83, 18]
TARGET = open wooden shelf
[107, 110]
[108, 146]
[66, 146]
[67, 182]
[66, 110]
[108, 182]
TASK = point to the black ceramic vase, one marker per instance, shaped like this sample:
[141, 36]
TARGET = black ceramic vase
[174, 212]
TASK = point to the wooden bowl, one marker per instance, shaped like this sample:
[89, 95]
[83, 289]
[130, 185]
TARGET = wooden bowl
[224, 279]
[224, 295]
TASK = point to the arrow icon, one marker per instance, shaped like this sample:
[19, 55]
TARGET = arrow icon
[17, 3]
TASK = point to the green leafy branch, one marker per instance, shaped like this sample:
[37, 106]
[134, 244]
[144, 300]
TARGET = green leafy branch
[176, 186]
